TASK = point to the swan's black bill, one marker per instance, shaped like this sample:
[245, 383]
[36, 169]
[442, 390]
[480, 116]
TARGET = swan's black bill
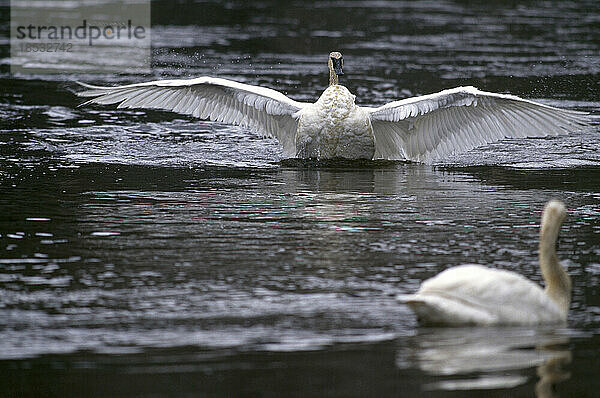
[337, 66]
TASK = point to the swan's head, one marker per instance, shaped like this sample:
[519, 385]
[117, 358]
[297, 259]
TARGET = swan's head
[335, 67]
[336, 62]
[553, 216]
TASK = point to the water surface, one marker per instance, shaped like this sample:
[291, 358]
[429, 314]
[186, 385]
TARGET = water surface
[145, 253]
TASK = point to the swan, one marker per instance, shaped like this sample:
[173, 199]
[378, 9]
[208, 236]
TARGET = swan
[421, 129]
[474, 294]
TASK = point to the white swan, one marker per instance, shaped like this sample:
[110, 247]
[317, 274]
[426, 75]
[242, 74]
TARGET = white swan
[421, 128]
[473, 294]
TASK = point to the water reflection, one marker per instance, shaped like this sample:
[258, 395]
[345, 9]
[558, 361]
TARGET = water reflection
[169, 236]
[490, 358]
[551, 373]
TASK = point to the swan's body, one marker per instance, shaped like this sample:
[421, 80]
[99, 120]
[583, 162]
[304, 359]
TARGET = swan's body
[473, 294]
[420, 128]
[334, 127]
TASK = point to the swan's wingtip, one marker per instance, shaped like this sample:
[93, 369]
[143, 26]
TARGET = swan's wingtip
[406, 298]
[86, 85]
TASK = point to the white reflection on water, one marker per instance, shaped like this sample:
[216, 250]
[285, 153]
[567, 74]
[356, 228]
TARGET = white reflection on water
[490, 358]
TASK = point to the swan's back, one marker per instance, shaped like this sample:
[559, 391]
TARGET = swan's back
[473, 294]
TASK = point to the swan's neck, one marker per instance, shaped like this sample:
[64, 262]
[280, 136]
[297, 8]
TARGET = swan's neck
[333, 77]
[558, 282]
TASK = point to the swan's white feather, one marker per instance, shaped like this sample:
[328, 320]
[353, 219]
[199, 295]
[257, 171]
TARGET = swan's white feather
[429, 127]
[261, 109]
[421, 129]
[474, 294]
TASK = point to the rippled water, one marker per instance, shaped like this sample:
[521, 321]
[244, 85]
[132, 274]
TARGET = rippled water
[144, 253]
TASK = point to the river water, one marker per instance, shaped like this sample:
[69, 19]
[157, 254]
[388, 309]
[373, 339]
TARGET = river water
[149, 254]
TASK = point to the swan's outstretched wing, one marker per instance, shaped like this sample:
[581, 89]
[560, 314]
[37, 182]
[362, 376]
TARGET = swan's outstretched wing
[428, 127]
[261, 109]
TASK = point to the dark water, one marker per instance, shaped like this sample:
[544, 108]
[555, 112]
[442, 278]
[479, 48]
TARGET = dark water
[149, 254]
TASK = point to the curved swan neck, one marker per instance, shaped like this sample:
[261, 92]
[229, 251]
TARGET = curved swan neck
[558, 283]
[333, 77]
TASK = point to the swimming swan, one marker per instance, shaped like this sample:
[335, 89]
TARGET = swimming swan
[420, 129]
[473, 294]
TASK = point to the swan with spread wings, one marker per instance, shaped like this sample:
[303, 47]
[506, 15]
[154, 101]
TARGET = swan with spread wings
[422, 129]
